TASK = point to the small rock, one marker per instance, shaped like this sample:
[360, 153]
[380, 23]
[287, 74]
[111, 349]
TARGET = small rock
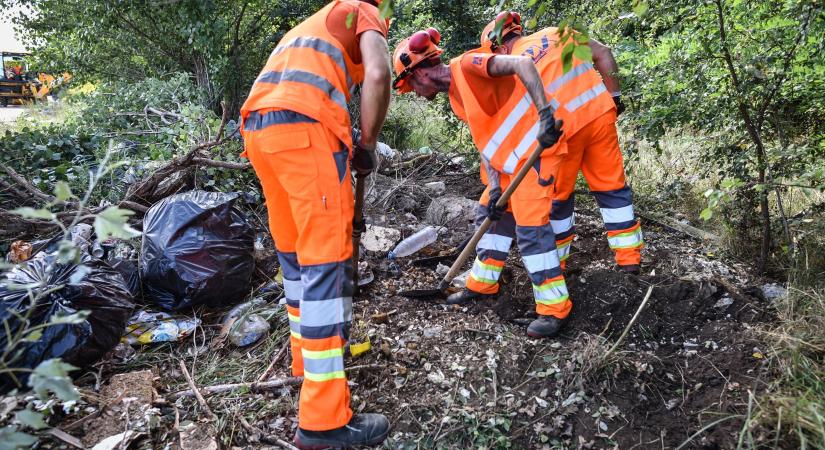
[452, 210]
[774, 291]
[436, 188]
[723, 302]
[380, 239]
[671, 403]
[432, 332]
[441, 270]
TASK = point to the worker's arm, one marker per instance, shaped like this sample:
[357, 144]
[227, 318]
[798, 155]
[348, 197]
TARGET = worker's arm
[375, 92]
[606, 65]
[523, 67]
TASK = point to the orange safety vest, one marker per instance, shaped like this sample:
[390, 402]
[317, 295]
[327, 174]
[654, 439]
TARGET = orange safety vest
[309, 72]
[507, 136]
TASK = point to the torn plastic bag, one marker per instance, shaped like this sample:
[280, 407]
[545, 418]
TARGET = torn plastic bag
[91, 286]
[197, 249]
[147, 327]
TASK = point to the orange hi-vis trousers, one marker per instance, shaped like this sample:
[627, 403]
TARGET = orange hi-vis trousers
[595, 151]
[527, 220]
[304, 173]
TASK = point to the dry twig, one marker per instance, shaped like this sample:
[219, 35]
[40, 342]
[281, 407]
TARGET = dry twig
[195, 391]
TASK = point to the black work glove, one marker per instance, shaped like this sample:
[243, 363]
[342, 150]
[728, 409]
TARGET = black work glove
[363, 159]
[549, 128]
[620, 107]
[494, 212]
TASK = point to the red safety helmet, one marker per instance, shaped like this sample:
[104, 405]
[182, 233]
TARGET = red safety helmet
[510, 23]
[419, 50]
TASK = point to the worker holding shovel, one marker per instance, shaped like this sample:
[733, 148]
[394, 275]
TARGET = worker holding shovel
[590, 134]
[298, 137]
[503, 100]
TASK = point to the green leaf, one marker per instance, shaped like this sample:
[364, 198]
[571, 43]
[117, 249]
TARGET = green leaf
[62, 191]
[583, 52]
[31, 213]
[567, 57]
[350, 18]
[532, 23]
[11, 439]
[72, 319]
[113, 222]
[31, 419]
[640, 9]
[52, 375]
[34, 336]
[386, 8]
[706, 214]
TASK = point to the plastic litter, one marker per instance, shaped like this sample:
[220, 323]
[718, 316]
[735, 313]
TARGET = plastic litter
[248, 322]
[148, 327]
[414, 243]
[20, 251]
[357, 349]
[197, 249]
[88, 286]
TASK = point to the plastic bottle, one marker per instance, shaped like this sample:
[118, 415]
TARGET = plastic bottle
[414, 243]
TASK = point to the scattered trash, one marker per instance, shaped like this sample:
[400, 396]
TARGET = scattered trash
[461, 280]
[197, 249]
[436, 188]
[385, 151]
[723, 302]
[128, 269]
[20, 251]
[61, 292]
[774, 291]
[248, 322]
[414, 243]
[380, 318]
[146, 327]
[379, 239]
[357, 349]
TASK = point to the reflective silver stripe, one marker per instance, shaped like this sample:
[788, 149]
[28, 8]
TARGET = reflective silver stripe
[300, 76]
[521, 149]
[504, 130]
[293, 289]
[555, 103]
[319, 45]
[295, 326]
[563, 225]
[324, 365]
[495, 242]
[585, 97]
[319, 313]
[543, 261]
[564, 79]
[618, 215]
[486, 271]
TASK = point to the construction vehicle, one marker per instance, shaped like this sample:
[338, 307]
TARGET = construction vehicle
[19, 86]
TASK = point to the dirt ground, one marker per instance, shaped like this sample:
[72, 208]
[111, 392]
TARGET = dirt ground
[469, 377]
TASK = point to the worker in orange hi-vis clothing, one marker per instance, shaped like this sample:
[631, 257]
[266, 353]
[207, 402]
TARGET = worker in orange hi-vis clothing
[299, 139]
[590, 135]
[502, 100]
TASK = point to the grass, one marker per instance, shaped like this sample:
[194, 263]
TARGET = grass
[793, 410]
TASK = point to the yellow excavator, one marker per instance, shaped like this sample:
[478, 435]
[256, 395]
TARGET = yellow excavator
[19, 86]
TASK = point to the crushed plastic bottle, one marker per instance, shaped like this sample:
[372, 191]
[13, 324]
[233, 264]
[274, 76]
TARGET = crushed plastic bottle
[414, 243]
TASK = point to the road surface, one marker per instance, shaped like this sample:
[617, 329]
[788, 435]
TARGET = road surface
[10, 113]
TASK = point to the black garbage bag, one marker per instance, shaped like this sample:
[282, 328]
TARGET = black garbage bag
[128, 268]
[91, 286]
[197, 249]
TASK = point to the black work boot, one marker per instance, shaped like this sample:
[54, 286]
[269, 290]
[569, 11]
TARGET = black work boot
[466, 296]
[362, 429]
[633, 269]
[545, 327]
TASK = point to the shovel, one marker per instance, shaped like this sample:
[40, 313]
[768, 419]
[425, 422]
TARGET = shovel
[441, 290]
[358, 225]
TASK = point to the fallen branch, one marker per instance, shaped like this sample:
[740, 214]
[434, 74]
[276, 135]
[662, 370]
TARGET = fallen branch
[689, 230]
[221, 164]
[629, 325]
[254, 387]
[22, 182]
[277, 358]
[194, 388]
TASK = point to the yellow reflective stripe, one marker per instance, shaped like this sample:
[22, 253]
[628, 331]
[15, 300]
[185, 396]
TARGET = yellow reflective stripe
[319, 377]
[293, 318]
[489, 266]
[295, 334]
[554, 301]
[621, 247]
[548, 286]
[321, 354]
[482, 279]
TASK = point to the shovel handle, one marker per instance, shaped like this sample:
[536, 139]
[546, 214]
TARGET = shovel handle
[502, 202]
[357, 220]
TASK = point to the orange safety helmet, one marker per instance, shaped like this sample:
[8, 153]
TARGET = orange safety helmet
[419, 50]
[510, 23]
